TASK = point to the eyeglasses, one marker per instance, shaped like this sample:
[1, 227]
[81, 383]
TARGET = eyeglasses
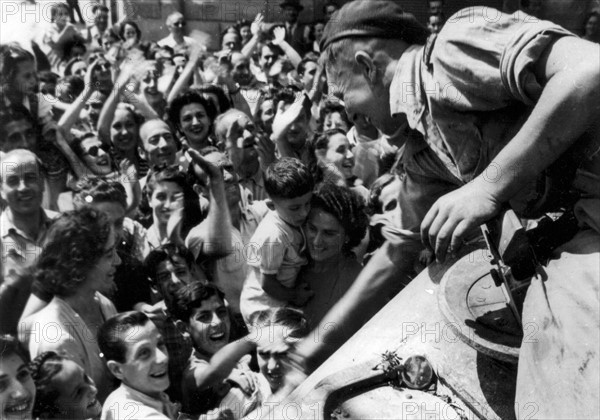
[94, 151]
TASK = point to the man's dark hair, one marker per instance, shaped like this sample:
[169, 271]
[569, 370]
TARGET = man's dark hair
[163, 253]
[288, 178]
[191, 296]
[13, 112]
[302, 65]
[113, 335]
[100, 7]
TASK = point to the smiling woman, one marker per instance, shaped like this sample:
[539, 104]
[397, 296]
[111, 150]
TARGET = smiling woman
[336, 224]
[64, 391]
[193, 116]
[77, 266]
[17, 390]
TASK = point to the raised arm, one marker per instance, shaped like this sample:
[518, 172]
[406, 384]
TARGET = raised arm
[108, 110]
[222, 363]
[183, 81]
[282, 123]
[256, 28]
[289, 51]
[218, 220]
[567, 107]
[71, 115]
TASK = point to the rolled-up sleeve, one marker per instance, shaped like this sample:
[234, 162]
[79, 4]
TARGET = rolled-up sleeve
[520, 55]
[484, 59]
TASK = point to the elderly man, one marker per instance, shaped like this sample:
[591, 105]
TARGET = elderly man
[249, 152]
[498, 101]
[176, 39]
[23, 226]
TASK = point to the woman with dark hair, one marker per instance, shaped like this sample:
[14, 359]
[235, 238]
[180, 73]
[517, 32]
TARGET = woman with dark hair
[77, 266]
[63, 390]
[336, 224]
[591, 28]
[333, 160]
[193, 116]
[17, 393]
[171, 196]
[244, 28]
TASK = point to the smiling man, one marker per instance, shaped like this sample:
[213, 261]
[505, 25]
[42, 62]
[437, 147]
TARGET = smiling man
[498, 102]
[23, 225]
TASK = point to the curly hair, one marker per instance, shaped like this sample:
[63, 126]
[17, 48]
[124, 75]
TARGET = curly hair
[75, 241]
[330, 108]
[43, 369]
[347, 207]
[188, 97]
[99, 190]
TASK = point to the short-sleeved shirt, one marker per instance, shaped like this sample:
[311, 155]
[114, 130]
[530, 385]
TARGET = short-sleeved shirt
[19, 250]
[169, 41]
[276, 248]
[230, 272]
[468, 94]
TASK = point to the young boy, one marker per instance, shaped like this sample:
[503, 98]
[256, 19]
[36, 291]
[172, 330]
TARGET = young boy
[217, 374]
[136, 354]
[278, 245]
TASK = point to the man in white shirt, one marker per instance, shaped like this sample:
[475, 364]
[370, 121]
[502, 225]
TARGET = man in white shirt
[176, 40]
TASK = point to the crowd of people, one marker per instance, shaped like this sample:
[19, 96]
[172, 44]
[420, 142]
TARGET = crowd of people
[175, 221]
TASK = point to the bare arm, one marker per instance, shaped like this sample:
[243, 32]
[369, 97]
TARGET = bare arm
[108, 110]
[274, 288]
[218, 220]
[222, 363]
[569, 104]
[291, 53]
[71, 115]
[282, 123]
[183, 81]
[256, 29]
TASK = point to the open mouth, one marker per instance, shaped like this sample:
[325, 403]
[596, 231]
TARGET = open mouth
[26, 198]
[218, 336]
[159, 375]
[197, 130]
[103, 161]
[93, 403]
[18, 407]
[275, 376]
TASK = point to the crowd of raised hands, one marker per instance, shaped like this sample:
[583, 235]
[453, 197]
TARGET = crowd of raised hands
[174, 218]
